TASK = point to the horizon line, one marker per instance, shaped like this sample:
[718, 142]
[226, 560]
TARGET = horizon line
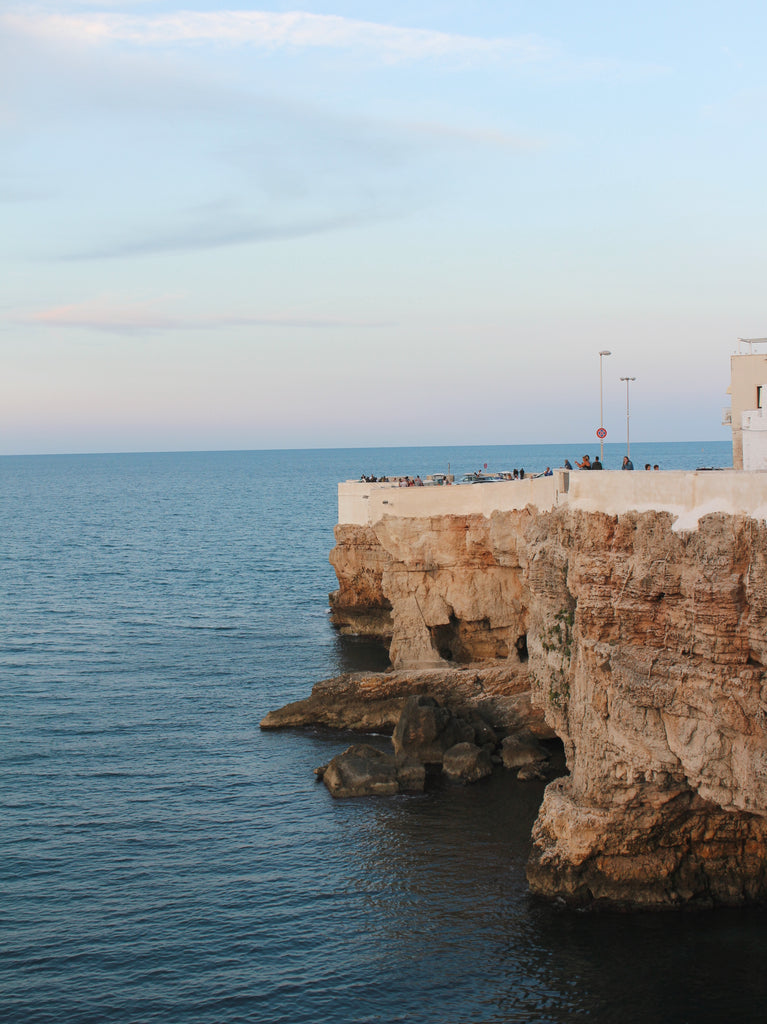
[341, 448]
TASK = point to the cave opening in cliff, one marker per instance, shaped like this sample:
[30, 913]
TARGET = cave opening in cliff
[463, 642]
[444, 638]
[360, 654]
[521, 646]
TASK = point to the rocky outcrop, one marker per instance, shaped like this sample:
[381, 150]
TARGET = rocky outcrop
[466, 762]
[428, 738]
[372, 701]
[426, 730]
[521, 750]
[364, 770]
[644, 648]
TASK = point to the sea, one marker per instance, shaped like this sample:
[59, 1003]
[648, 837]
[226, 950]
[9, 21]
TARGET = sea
[163, 860]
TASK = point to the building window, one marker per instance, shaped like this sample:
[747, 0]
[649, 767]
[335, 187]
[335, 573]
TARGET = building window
[759, 396]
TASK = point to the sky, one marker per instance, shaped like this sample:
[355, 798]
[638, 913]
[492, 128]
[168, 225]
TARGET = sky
[227, 226]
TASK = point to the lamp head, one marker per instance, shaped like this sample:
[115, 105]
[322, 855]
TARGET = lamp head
[605, 352]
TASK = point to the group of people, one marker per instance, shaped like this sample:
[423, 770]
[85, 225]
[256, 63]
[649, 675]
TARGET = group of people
[628, 464]
[587, 463]
[517, 474]
[402, 481]
[595, 463]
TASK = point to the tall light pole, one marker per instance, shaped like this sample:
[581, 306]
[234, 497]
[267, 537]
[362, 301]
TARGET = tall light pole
[628, 447]
[604, 352]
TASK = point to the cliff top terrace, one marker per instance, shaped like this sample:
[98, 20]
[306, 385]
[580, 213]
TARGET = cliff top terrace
[685, 494]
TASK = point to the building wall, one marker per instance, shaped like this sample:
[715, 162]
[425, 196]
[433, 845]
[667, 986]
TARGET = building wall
[754, 438]
[748, 373]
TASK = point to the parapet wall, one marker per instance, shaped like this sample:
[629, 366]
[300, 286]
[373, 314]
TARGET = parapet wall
[685, 494]
[363, 504]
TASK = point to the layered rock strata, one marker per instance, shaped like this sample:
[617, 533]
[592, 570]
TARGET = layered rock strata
[359, 607]
[644, 648]
[373, 701]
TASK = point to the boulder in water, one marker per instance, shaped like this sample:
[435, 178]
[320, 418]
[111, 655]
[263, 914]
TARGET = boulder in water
[361, 770]
[425, 730]
[466, 762]
[521, 749]
[411, 776]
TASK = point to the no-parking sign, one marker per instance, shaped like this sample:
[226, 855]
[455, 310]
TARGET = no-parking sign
[601, 433]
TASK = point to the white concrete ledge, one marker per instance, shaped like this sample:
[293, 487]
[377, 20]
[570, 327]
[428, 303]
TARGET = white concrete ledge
[687, 495]
[365, 504]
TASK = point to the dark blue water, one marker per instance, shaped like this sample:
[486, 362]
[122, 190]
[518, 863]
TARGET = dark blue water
[162, 860]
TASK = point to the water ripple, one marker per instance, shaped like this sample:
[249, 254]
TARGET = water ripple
[161, 860]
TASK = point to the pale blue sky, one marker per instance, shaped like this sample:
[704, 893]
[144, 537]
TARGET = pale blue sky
[232, 226]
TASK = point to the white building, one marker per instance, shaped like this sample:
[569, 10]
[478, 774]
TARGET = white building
[746, 414]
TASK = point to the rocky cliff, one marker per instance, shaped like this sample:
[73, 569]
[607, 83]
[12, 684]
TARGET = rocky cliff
[373, 701]
[645, 648]
[359, 606]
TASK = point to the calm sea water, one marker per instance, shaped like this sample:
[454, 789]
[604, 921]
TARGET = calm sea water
[162, 860]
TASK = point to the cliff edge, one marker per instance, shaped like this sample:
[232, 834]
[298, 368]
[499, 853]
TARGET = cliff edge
[645, 649]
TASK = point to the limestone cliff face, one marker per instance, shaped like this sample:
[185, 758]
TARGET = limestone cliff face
[646, 650]
[359, 607]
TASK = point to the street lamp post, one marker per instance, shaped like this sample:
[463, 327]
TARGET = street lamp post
[628, 446]
[604, 352]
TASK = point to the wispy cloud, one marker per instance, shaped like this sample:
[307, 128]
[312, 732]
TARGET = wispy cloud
[150, 317]
[294, 30]
[215, 234]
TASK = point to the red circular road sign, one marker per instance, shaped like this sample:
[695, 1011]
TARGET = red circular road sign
[601, 433]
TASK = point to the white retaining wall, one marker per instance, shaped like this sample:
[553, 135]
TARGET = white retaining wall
[687, 495]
